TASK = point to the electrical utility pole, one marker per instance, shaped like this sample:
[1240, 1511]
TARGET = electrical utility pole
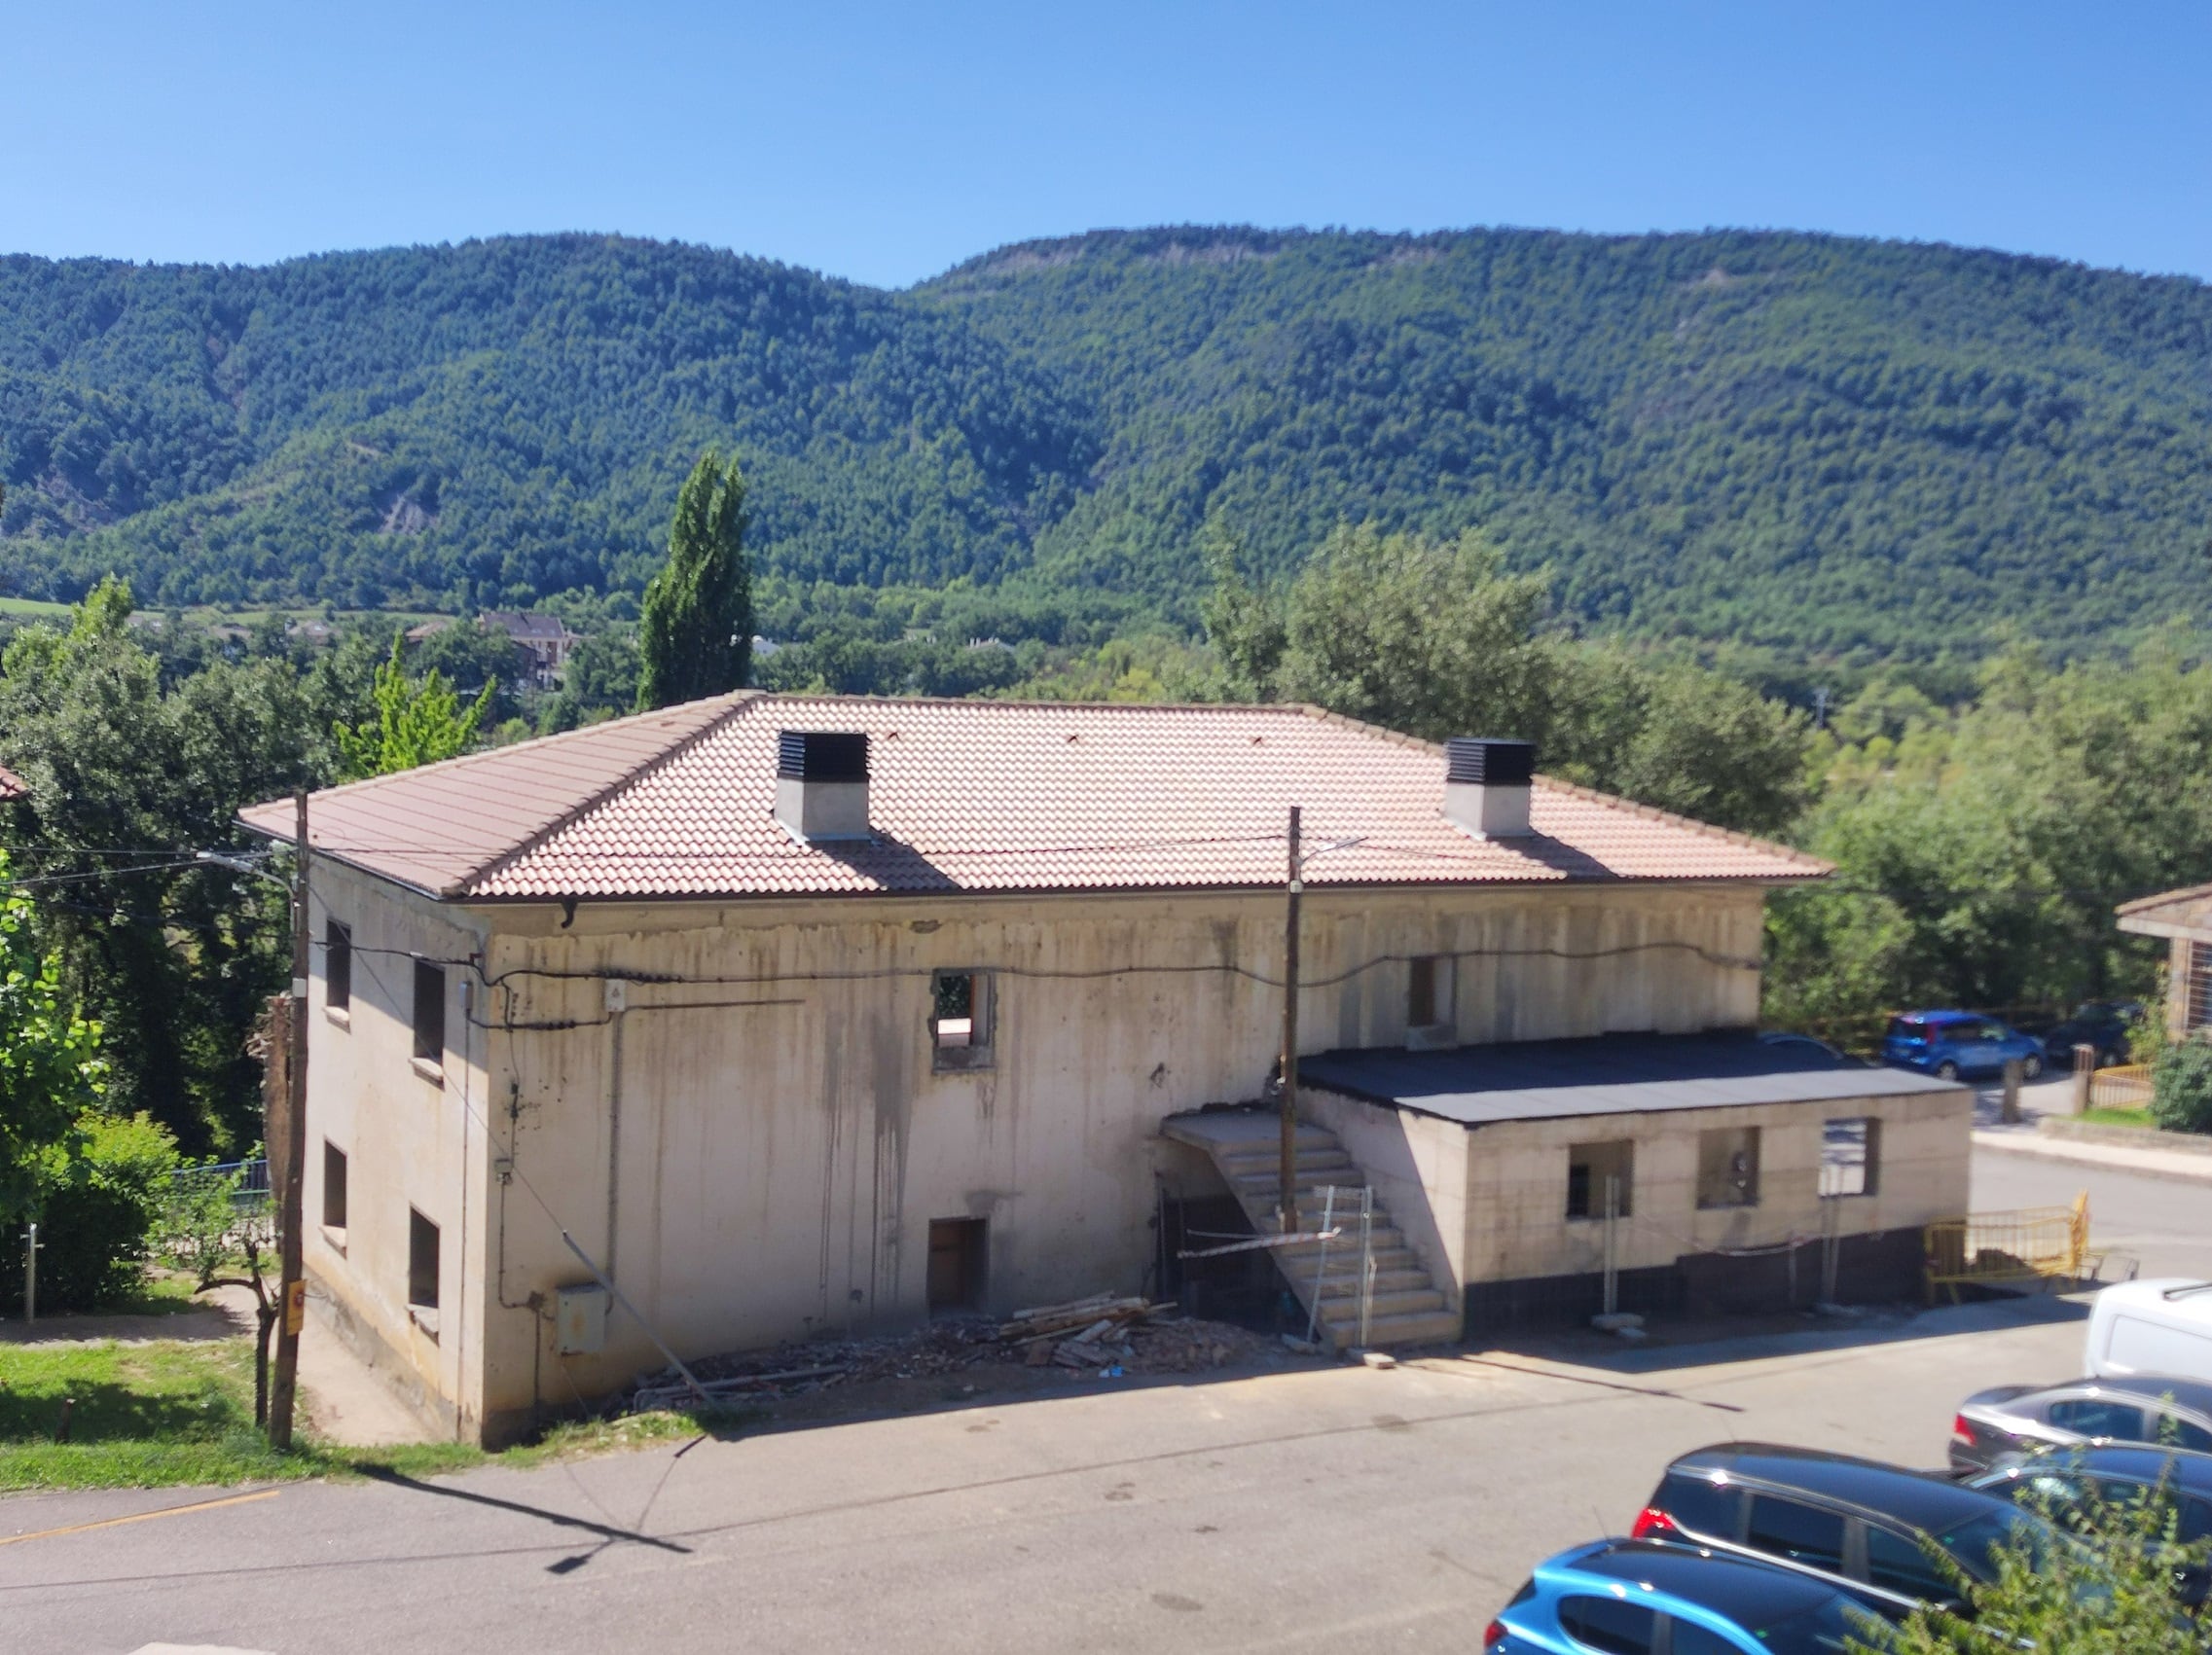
[288, 1147]
[1289, 1164]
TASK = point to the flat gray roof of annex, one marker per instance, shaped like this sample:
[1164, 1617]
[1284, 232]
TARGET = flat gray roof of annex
[1610, 1074]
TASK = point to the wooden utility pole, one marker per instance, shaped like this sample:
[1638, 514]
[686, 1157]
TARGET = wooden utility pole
[1290, 1065]
[288, 1155]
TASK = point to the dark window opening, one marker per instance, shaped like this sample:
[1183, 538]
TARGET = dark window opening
[431, 1012]
[1590, 1169]
[960, 1250]
[421, 1262]
[1421, 994]
[337, 965]
[960, 1032]
[333, 1186]
[1727, 1167]
[1850, 1157]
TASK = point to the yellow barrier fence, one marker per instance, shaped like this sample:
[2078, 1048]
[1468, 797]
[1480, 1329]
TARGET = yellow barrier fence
[2127, 1086]
[2028, 1244]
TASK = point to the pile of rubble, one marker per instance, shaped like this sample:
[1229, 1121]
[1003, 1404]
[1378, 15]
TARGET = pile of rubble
[1106, 1334]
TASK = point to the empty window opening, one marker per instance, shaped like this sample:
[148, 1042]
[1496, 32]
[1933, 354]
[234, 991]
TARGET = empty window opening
[961, 1008]
[431, 1012]
[337, 965]
[959, 1250]
[421, 1262]
[1850, 1157]
[1591, 1168]
[1421, 992]
[333, 1186]
[1727, 1167]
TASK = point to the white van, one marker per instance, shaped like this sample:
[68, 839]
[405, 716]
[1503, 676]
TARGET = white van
[2160, 1327]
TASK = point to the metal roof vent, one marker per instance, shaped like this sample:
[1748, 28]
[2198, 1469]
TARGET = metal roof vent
[822, 784]
[1486, 785]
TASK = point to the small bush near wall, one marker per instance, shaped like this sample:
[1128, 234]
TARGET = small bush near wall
[95, 1222]
[2181, 1085]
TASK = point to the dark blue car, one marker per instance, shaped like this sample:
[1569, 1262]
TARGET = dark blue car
[1633, 1598]
[1949, 1044]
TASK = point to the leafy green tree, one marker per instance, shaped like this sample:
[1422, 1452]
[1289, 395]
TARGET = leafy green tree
[415, 723]
[695, 635]
[128, 778]
[2113, 1583]
[1435, 637]
[51, 1068]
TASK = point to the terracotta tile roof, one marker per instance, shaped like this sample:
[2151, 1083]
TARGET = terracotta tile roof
[12, 785]
[983, 796]
[2168, 911]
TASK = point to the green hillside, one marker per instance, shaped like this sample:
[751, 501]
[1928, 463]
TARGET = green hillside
[1803, 442]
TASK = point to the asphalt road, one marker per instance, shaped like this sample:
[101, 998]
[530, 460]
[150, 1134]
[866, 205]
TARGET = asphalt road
[2161, 1226]
[1290, 1512]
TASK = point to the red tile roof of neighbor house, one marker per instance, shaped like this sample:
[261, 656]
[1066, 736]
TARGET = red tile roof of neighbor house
[982, 796]
[12, 785]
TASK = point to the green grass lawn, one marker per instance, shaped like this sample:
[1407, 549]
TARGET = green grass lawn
[30, 608]
[164, 1412]
[2111, 1117]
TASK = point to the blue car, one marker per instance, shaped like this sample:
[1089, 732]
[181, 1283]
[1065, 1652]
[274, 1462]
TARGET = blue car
[1949, 1044]
[1636, 1598]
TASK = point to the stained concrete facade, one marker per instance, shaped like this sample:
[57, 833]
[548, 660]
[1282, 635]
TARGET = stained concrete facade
[736, 1111]
[1488, 1204]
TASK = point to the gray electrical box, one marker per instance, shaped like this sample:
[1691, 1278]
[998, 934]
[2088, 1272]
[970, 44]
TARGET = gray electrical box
[579, 1319]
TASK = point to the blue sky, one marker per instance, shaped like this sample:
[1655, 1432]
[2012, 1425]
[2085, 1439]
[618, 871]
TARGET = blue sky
[884, 142]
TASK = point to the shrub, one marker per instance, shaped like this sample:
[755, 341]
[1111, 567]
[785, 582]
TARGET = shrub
[2181, 1085]
[94, 1224]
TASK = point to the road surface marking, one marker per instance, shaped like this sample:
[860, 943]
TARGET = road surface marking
[141, 1517]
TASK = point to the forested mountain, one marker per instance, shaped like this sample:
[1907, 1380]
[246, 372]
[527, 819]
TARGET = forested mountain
[1818, 444]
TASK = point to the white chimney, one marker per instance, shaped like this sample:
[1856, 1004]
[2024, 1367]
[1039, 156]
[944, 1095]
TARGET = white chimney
[822, 784]
[1486, 787]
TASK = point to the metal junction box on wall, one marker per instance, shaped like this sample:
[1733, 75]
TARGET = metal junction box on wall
[579, 1319]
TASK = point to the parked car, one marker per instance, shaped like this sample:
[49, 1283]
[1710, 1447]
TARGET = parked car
[2100, 1024]
[1949, 1044]
[1808, 1045]
[1631, 1597]
[1994, 1428]
[2143, 1328]
[2079, 1479]
[1856, 1524]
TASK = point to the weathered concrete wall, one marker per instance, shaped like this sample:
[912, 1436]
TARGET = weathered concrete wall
[1416, 1165]
[408, 1133]
[779, 1143]
[1516, 1183]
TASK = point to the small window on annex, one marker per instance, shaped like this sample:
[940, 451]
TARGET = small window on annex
[421, 1262]
[1727, 1167]
[337, 966]
[333, 1186]
[961, 1019]
[431, 1012]
[1590, 1169]
[1850, 1157]
[1429, 1012]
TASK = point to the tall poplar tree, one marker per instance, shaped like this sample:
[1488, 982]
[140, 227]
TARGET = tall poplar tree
[694, 639]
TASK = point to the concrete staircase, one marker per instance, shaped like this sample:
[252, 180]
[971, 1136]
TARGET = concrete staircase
[1246, 1147]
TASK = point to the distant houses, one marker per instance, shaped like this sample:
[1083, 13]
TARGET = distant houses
[545, 638]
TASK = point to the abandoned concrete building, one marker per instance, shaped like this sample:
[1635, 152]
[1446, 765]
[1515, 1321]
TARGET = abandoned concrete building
[803, 1015]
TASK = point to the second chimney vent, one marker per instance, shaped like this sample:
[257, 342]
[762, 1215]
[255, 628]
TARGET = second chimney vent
[822, 784]
[1486, 785]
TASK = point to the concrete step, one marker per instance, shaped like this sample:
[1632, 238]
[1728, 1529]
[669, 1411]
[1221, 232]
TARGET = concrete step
[1385, 1333]
[1383, 1238]
[1387, 1281]
[1344, 1310]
